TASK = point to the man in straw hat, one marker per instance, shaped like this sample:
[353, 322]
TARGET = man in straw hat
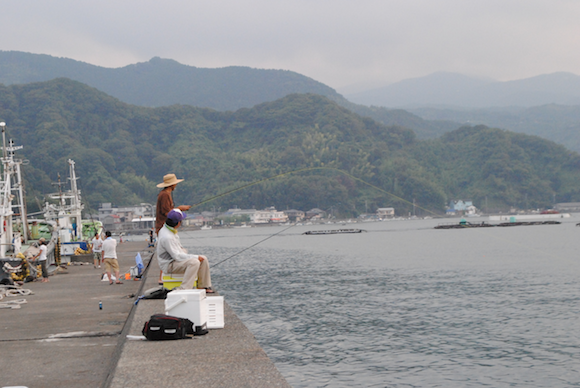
[165, 200]
[174, 259]
[165, 204]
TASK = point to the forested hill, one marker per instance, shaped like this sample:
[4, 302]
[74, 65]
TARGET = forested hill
[122, 151]
[559, 123]
[162, 82]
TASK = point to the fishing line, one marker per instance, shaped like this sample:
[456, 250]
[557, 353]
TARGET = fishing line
[312, 169]
[251, 246]
[296, 172]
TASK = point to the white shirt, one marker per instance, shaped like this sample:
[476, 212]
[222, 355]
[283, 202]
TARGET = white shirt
[110, 248]
[42, 256]
[97, 244]
[169, 249]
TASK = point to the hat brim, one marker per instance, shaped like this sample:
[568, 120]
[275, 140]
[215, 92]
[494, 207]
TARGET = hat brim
[170, 183]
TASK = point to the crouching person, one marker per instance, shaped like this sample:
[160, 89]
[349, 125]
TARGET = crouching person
[174, 259]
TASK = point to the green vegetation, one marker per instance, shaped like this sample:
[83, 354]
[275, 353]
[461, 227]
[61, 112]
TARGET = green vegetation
[122, 151]
[559, 123]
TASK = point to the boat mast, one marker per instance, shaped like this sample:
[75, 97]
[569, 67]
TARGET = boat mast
[11, 181]
[18, 186]
[76, 204]
[5, 199]
[68, 212]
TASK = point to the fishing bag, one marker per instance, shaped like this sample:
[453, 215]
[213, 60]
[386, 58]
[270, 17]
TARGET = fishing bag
[165, 327]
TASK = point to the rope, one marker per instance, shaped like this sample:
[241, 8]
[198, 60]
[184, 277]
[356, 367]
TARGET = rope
[8, 290]
[13, 304]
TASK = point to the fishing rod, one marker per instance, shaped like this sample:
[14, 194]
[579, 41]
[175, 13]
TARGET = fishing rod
[294, 224]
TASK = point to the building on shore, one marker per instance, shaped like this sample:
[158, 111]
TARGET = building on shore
[568, 207]
[315, 214]
[461, 207]
[269, 216]
[386, 212]
[294, 215]
[127, 218]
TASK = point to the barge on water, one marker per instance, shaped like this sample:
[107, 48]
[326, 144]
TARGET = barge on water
[483, 224]
[334, 231]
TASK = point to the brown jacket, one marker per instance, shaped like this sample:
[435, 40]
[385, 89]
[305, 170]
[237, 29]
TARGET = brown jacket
[164, 206]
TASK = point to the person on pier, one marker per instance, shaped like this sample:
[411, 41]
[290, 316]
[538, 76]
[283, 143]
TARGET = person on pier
[110, 258]
[165, 200]
[174, 259]
[165, 204]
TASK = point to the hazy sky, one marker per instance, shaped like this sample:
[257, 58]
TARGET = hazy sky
[337, 42]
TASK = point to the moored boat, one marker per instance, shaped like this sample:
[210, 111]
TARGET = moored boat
[18, 241]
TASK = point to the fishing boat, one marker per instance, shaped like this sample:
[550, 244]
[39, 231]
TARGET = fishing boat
[65, 211]
[19, 241]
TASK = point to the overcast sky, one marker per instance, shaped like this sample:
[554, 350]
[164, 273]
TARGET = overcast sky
[338, 42]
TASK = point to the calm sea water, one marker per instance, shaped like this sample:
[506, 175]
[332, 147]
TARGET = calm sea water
[405, 305]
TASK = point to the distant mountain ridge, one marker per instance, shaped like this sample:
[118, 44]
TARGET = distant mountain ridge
[163, 82]
[444, 89]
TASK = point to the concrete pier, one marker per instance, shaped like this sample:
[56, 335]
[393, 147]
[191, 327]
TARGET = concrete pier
[61, 338]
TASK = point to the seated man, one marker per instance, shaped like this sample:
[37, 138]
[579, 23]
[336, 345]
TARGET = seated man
[174, 259]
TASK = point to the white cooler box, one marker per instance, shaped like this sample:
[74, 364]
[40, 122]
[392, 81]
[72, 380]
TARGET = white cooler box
[190, 304]
[215, 312]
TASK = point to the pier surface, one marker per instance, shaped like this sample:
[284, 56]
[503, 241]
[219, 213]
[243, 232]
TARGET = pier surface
[60, 337]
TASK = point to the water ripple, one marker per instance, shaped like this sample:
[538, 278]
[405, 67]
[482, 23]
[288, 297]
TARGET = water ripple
[327, 323]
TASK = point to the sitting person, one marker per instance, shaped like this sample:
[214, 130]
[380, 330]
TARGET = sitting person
[174, 259]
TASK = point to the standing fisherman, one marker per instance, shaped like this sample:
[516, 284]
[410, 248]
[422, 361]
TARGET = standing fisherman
[165, 200]
[165, 204]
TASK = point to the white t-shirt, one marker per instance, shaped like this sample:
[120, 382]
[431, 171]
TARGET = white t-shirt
[42, 252]
[97, 244]
[110, 248]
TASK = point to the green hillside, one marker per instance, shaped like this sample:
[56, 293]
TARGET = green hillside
[559, 123]
[121, 151]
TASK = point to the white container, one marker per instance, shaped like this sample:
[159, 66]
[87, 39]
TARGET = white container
[215, 312]
[190, 304]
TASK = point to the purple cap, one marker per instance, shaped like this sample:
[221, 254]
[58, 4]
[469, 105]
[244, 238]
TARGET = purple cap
[176, 215]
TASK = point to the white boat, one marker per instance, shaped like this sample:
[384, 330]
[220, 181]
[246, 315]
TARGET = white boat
[65, 211]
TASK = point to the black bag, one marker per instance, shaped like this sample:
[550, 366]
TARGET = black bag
[156, 293]
[165, 327]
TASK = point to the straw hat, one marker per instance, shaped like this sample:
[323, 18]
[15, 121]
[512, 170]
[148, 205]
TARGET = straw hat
[169, 180]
